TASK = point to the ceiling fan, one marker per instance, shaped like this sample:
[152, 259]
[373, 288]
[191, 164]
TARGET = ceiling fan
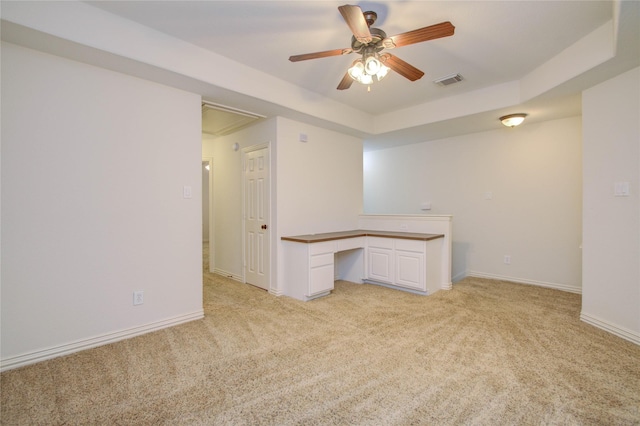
[370, 42]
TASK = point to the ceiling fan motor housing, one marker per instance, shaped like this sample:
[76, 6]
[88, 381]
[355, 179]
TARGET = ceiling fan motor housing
[377, 36]
[370, 17]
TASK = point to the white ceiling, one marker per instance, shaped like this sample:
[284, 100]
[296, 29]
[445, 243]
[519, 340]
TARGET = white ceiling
[494, 41]
[496, 45]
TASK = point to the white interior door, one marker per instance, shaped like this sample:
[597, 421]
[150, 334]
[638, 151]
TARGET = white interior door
[256, 217]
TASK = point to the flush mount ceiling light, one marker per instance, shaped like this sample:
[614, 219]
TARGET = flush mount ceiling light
[513, 120]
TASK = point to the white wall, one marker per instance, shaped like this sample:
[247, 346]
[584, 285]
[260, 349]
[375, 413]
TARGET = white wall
[93, 168]
[611, 267]
[319, 181]
[533, 175]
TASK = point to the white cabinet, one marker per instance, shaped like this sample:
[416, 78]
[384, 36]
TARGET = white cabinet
[410, 264]
[310, 268]
[321, 260]
[403, 263]
[380, 259]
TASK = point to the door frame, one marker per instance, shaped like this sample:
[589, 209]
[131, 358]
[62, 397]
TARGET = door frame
[209, 161]
[246, 151]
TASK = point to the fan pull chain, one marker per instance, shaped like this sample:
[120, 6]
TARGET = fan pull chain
[368, 88]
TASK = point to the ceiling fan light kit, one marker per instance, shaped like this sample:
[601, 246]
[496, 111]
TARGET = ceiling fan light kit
[513, 120]
[369, 42]
[372, 65]
[363, 70]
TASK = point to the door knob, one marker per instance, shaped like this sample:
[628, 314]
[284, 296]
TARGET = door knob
[264, 227]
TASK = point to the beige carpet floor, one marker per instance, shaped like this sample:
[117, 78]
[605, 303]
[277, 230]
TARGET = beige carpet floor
[485, 353]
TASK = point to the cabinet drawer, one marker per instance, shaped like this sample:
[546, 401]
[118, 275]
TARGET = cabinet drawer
[320, 280]
[323, 247]
[321, 260]
[410, 245]
[350, 243]
[377, 242]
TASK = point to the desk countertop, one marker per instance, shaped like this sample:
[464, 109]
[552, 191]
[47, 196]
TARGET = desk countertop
[330, 236]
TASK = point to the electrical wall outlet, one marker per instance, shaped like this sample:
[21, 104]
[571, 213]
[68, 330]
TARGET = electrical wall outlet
[507, 259]
[138, 297]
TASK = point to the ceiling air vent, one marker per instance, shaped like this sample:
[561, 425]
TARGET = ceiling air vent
[448, 80]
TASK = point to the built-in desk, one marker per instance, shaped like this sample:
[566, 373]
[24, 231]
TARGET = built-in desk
[404, 260]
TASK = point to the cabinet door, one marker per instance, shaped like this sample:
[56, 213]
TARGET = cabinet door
[380, 264]
[410, 268]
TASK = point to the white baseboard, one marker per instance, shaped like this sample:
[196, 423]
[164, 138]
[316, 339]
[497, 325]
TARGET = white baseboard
[556, 286]
[80, 345]
[276, 292]
[228, 275]
[625, 333]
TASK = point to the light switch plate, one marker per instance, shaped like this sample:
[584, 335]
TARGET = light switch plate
[621, 189]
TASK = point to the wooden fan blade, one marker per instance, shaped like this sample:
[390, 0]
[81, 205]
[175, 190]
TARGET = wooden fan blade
[345, 83]
[401, 67]
[325, 54]
[443, 29]
[355, 20]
